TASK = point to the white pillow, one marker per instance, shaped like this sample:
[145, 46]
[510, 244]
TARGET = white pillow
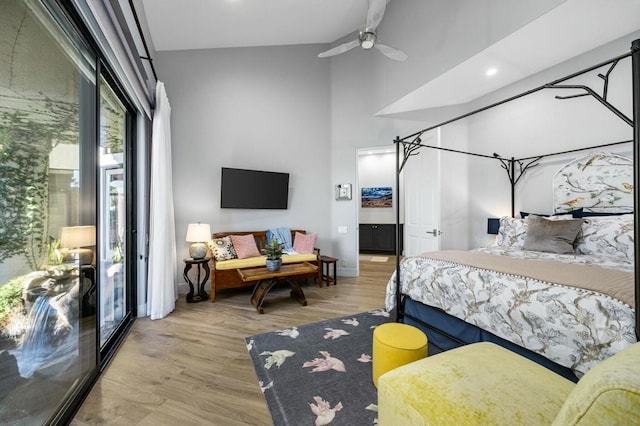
[607, 236]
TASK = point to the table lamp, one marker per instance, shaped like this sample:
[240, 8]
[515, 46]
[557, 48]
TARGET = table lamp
[198, 233]
[74, 238]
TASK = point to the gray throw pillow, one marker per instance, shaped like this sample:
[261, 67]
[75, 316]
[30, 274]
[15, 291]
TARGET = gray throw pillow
[553, 236]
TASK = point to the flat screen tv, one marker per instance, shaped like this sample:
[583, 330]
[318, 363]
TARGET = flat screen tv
[253, 189]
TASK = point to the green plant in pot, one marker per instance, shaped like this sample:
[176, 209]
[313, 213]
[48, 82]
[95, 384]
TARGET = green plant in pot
[274, 255]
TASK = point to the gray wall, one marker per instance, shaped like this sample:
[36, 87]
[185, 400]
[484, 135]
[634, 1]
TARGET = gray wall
[274, 108]
[254, 108]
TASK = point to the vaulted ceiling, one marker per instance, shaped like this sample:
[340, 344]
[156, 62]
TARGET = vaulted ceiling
[573, 27]
[206, 24]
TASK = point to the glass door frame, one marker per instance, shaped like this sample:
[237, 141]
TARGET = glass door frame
[106, 351]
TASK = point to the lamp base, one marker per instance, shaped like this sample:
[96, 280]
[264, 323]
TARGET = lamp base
[79, 256]
[198, 250]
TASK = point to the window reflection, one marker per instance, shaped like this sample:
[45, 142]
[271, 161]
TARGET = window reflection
[47, 323]
[112, 212]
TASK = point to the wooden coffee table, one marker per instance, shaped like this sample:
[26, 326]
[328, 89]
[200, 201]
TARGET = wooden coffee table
[267, 279]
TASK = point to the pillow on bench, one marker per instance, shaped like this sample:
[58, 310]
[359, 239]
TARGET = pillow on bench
[222, 248]
[245, 246]
[304, 243]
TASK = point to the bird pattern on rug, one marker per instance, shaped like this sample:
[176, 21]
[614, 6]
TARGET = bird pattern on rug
[336, 357]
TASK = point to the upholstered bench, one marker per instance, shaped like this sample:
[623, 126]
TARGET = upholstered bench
[396, 344]
[224, 273]
[483, 383]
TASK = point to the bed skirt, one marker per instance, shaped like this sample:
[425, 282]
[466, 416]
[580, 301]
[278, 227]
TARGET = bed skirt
[447, 332]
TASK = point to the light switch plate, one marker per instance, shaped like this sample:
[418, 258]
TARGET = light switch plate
[342, 229]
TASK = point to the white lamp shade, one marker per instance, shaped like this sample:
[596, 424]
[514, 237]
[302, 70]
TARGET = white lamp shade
[77, 236]
[198, 232]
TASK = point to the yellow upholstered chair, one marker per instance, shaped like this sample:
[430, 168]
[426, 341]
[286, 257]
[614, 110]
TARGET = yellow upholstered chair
[482, 384]
[396, 344]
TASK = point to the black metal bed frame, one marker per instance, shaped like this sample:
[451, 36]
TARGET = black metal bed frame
[516, 168]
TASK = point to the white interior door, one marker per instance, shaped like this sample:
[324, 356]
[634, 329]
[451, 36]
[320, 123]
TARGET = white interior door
[422, 198]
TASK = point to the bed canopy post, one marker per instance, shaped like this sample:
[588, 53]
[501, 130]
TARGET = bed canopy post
[512, 166]
[398, 253]
[635, 73]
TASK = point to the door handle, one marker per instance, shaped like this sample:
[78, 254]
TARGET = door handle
[435, 232]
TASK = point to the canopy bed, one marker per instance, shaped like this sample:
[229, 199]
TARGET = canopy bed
[559, 290]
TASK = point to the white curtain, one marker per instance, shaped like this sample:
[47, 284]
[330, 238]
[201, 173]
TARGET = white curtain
[162, 287]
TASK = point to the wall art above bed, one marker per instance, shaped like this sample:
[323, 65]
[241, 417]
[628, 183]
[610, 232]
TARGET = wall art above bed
[597, 182]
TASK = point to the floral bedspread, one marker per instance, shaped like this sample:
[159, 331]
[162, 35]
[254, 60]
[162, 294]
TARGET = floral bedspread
[573, 327]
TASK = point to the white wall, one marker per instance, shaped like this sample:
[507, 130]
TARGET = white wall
[454, 209]
[540, 124]
[254, 108]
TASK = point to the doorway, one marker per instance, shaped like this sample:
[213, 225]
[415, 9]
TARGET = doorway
[376, 199]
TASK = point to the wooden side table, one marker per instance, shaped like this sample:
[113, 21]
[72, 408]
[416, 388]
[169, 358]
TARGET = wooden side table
[201, 264]
[325, 264]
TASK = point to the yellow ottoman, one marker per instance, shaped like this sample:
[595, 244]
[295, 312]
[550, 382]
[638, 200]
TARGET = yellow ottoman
[394, 345]
[478, 384]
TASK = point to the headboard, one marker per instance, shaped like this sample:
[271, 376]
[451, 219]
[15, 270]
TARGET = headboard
[597, 182]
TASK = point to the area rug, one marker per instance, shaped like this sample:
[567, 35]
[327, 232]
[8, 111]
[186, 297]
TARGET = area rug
[319, 374]
[379, 259]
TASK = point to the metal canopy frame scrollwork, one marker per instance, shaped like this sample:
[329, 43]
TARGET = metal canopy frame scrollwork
[517, 167]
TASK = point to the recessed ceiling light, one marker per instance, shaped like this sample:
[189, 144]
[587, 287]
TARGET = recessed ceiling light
[491, 71]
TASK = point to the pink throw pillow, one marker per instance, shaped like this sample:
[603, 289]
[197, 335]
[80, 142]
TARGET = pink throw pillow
[303, 243]
[245, 246]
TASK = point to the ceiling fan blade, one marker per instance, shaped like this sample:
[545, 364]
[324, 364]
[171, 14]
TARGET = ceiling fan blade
[375, 13]
[340, 49]
[391, 52]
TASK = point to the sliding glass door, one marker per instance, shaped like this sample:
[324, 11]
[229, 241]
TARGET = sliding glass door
[67, 275]
[48, 288]
[115, 303]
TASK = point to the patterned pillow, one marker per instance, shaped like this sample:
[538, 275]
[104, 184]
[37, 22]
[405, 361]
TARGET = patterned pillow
[222, 248]
[512, 232]
[607, 236]
[303, 243]
[245, 246]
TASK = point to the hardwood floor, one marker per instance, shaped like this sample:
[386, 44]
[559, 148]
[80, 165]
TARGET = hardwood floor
[192, 367]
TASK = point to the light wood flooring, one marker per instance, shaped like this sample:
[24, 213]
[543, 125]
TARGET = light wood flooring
[192, 367]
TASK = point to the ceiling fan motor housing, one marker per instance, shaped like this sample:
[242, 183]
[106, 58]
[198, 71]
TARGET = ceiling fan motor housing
[367, 39]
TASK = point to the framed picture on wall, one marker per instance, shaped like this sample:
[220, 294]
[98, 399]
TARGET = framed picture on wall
[379, 196]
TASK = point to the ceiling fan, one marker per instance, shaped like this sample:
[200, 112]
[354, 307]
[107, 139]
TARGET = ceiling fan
[367, 37]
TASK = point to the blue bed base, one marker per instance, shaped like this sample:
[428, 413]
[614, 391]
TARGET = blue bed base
[448, 332]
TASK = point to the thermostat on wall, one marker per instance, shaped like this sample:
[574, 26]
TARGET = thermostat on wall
[343, 191]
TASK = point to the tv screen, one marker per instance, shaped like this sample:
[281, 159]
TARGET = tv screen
[253, 189]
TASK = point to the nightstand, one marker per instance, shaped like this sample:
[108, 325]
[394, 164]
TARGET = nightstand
[201, 264]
